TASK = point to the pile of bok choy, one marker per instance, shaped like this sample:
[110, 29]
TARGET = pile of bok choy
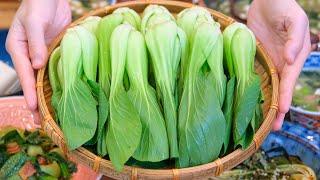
[155, 88]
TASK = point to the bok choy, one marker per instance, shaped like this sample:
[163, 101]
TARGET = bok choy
[201, 120]
[165, 41]
[124, 128]
[240, 49]
[91, 23]
[154, 141]
[104, 31]
[77, 107]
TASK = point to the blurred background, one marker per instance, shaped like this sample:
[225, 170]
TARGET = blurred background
[298, 142]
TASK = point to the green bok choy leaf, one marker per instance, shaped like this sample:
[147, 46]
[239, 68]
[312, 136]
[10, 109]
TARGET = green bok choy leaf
[154, 141]
[77, 108]
[104, 31]
[54, 79]
[240, 49]
[165, 42]
[201, 120]
[91, 23]
[124, 127]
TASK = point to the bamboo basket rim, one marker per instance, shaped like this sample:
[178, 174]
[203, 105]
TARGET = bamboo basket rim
[213, 168]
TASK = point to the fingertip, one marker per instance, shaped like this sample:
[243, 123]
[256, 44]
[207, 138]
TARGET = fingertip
[276, 126]
[37, 64]
[31, 103]
[278, 122]
[36, 117]
[38, 58]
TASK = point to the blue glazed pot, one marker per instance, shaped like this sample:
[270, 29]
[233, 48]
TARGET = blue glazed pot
[295, 140]
[312, 62]
[4, 56]
[309, 119]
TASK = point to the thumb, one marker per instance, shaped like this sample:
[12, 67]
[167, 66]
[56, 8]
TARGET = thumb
[297, 28]
[36, 43]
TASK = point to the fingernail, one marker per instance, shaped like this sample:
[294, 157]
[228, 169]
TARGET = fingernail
[38, 60]
[37, 64]
[36, 117]
[276, 127]
[32, 104]
[277, 124]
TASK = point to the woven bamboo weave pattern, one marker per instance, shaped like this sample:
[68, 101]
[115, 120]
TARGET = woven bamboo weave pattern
[263, 66]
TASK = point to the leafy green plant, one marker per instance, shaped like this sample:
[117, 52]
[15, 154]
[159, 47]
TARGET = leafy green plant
[54, 79]
[154, 140]
[187, 20]
[104, 31]
[13, 165]
[124, 128]
[240, 64]
[77, 108]
[91, 23]
[201, 120]
[165, 41]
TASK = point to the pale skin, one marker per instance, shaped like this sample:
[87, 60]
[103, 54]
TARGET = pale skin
[35, 25]
[283, 29]
[281, 26]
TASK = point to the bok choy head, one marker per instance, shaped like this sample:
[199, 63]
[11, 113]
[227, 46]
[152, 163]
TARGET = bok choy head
[190, 20]
[89, 48]
[91, 23]
[201, 120]
[124, 128]
[129, 16]
[240, 49]
[154, 140]
[165, 42]
[77, 107]
[105, 28]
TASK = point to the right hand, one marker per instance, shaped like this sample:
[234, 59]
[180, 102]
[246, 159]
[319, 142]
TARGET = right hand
[283, 29]
[35, 25]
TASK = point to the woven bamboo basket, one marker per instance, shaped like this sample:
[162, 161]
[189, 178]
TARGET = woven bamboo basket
[263, 66]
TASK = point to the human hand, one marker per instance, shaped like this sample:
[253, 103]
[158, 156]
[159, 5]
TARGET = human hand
[283, 29]
[35, 25]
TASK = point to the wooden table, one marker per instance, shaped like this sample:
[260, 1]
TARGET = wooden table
[8, 9]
